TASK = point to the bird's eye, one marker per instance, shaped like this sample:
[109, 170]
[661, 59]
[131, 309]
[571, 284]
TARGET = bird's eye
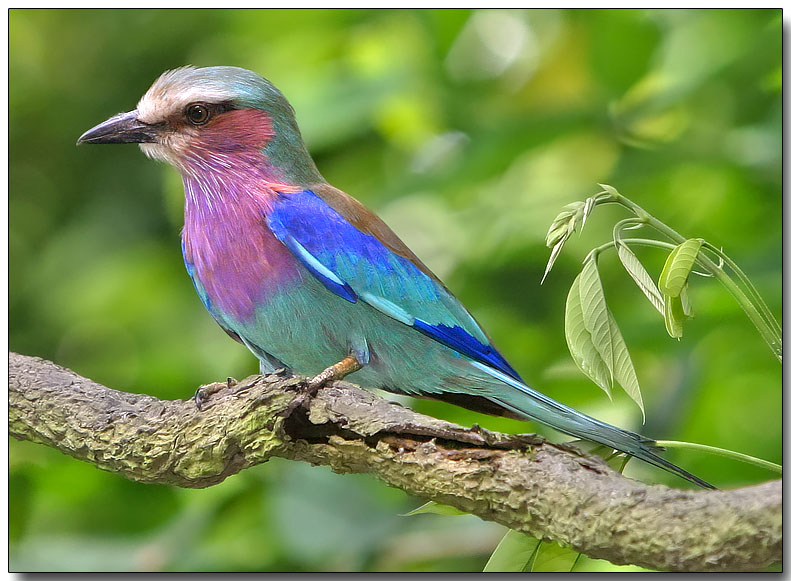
[197, 114]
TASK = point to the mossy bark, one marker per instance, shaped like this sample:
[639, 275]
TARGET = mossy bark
[550, 491]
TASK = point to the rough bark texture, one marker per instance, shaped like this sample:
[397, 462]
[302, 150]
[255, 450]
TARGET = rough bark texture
[523, 482]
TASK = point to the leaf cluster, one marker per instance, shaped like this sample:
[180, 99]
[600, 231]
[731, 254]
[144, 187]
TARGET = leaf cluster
[592, 334]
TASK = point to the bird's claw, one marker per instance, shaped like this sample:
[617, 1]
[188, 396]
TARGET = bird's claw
[304, 394]
[204, 392]
[315, 383]
[307, 388]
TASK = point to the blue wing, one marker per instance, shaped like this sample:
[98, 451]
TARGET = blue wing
[357, 266]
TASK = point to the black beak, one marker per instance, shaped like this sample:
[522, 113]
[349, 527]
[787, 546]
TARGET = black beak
[123, 128]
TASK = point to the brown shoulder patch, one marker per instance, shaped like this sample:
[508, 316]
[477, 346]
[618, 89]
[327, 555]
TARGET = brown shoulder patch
[366, 221]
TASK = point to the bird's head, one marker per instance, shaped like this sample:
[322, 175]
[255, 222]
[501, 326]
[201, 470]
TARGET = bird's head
[200, 118]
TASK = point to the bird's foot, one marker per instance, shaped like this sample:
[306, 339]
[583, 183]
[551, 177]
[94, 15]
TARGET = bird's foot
[332, 373]
[204, 392]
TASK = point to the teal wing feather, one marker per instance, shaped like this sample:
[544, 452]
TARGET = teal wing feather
[356, 265]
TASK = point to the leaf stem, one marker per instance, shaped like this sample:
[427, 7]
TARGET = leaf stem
[758, 317]
[748, 285]
[635, 241]
[722, 452]
[753, 305]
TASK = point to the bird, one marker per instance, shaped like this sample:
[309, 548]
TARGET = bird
[307, 277]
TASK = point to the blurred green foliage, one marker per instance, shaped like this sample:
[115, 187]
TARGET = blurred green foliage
[467, 131]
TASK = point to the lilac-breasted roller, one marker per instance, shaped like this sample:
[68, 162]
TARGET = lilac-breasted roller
[306, 276]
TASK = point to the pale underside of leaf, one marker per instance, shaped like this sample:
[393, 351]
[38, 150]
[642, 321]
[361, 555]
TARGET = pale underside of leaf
[677, 311]
[623, 368]
[595, 312]
[553, 256]
[564, 225]
[595, 335]
[673, 325]
[513, 554]
[590, 203]
[580, 343]
[640, 276]
[685, 302]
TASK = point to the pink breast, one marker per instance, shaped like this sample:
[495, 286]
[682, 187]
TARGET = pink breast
[236, 257]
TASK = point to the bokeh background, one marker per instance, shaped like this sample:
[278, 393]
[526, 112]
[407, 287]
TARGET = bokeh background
[467, 131]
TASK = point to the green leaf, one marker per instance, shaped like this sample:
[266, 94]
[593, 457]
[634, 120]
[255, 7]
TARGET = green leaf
[562, 227]
[623, 369]
[666, 267]
[513, 553]
[580, 343]
[609, 189]
[685, 303]
[587, 347]
[674, 316]
[553, 256]
[555, 234]
[594, 313]
[678, 266]
[640, 276]
[590, 203]
[432, 507]
[673, 285]
[552, 558]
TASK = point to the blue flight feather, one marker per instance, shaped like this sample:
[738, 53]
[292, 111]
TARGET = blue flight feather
[456, 338]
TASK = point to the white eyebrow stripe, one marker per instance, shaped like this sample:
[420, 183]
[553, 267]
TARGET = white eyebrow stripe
[153, 108]
[175, 90]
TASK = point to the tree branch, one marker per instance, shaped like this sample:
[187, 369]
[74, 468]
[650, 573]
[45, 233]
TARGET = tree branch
[550, 491]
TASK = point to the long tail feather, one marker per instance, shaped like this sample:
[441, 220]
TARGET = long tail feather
[536, 406]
